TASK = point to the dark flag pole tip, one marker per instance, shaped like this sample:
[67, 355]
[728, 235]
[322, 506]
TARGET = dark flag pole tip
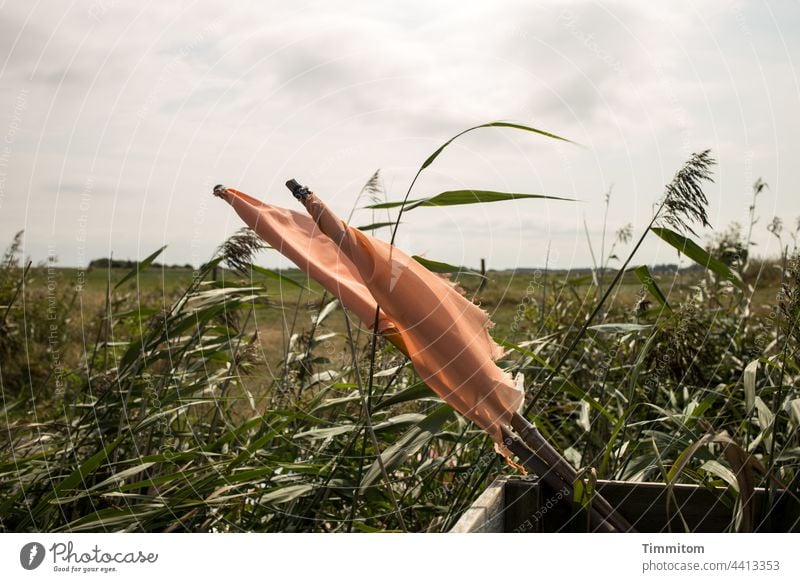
[298, 191]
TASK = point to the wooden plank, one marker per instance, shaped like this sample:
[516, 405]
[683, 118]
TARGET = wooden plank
[486, 514]
[652, 507]
[656, 508]
[522, 504]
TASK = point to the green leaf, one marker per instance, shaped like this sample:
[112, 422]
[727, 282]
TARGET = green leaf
[335, 402]
[400, 420]
[114, 519]
[460, 197]
[685, 456]
[749, 381]
[124, 474]
[284, 494]
[436, 154]
[324, 433]
[439, 267]
[376, 226]
[645, 278]
[699, 255]
[719, 470]
[793, 408]
[525, 352]
[278, 277]
[619, 327]
[140, 266]
[765, 415]
[329, 308]
[413, 439]
[416, 391]
[165, 415]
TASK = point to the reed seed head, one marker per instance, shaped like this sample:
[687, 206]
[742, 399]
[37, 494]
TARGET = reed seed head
[685, 203]
[240, 249]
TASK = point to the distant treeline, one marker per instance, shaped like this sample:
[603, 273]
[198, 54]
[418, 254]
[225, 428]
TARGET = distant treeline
[663, 269]
[119, 264]
[655, 269]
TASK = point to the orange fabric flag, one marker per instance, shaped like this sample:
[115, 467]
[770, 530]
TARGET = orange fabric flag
[445, 335]
[295, 236]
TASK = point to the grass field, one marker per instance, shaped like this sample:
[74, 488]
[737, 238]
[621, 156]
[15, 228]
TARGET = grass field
[510, 297]
[513, 300]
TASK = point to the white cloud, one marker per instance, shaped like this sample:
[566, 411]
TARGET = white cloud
[154, 103]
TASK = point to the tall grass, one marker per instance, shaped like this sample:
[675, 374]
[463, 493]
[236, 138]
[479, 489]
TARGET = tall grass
[148, 414]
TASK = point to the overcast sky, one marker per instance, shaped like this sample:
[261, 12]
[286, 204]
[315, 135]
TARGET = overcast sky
[117, 118]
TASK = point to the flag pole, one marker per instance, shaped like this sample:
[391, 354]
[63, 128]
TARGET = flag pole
[540, 447]
[603, 517]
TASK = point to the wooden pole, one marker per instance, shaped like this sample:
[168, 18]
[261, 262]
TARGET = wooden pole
[551, 458]
[533, 463]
